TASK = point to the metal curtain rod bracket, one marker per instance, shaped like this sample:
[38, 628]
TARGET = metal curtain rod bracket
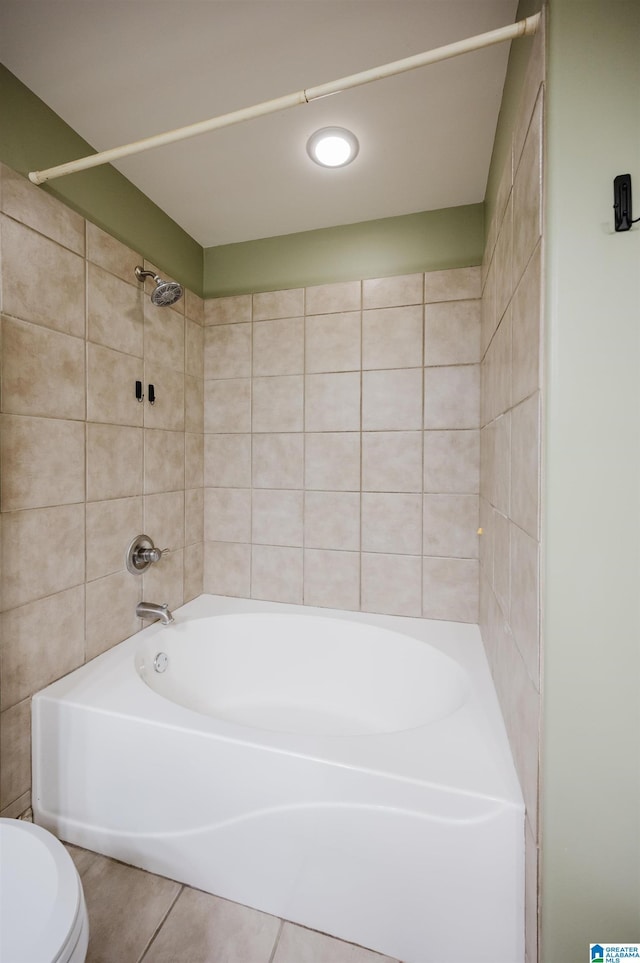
[523, 28]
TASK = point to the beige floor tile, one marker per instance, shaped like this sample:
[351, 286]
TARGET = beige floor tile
[205, 929]
[125, 906]
[297, 945]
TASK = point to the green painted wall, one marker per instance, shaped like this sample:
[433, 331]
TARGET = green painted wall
[430, 241]
[33, 137]
[514, 80]
[591, 730]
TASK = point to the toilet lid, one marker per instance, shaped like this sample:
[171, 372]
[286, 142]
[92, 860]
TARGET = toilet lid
[40, 894]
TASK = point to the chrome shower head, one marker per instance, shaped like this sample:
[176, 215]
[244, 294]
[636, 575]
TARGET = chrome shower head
[165, 292]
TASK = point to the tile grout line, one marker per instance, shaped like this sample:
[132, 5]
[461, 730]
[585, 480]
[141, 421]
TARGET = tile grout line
[156, 932]
[276, 942]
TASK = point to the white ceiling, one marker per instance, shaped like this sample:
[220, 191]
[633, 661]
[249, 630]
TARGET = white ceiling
[121, 70]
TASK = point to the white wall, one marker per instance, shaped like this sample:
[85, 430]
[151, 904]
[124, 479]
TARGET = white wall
[591, 748]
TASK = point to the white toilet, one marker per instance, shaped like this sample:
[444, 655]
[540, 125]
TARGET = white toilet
[43, 916]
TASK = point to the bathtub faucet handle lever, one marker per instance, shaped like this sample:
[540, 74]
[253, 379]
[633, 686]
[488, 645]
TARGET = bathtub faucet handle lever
[141, 553]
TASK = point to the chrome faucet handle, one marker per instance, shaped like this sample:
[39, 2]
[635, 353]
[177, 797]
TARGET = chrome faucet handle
[141, 553]
[151, 554]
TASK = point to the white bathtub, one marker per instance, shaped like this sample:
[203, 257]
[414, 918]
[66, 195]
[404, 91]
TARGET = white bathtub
[344, 771]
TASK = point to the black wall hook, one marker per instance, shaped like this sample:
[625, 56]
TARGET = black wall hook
[139, 394]
[622, 208]
[152, 395]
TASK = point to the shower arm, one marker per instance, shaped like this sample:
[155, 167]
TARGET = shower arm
[523, 28]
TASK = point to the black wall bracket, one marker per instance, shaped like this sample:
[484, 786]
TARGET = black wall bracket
[622, 209]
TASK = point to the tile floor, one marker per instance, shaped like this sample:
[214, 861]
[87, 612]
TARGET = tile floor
[136, 917]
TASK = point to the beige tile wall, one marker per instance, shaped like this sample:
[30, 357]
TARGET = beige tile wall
[85, 467]
[511, 380]
[342, 445]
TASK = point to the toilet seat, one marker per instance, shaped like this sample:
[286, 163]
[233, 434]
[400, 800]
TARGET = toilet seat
[42, 909]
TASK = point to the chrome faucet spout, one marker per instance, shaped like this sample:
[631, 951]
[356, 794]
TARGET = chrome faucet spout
[152, 611]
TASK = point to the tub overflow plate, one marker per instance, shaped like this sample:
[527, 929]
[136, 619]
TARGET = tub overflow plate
[161, 662]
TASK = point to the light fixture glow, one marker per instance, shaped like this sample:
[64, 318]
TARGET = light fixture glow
[332, 147]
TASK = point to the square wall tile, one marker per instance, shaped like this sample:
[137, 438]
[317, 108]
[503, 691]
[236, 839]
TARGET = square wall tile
[115, 312]
[332, 461]
[392, 461]
[163, 336]
[227, 351]
[227, 405]
[164, 461]
[278, 347]
[36, 560]
[450, 524]
[164, 519]
[332, 342]
[227, 461]
[194, 349]
[25, 202]
[526, 336]
[452, 333]
[32, 264]
[227, 515]
[15, 748]
[165, 581]
[332, 402]
[29, 658]
[276, 573]
[525, 599]
[392, 523]
[43, 372]
[332, 579]
[451, 589]
[193, 518]
[503, 259]
[457, 284]
[278, 403]
[193, 403]
[392, 337]
[527, 194]
[193, 460]
[232, 310]
[41, 462]
[525, 465]
[227, 569]
[194, 307]
[277, 517]
[193, 571]
[168, 410]
[111, 611]
[392, 292]
[452, 396]
[391, 584]
[332, 520]
[277, 461]
[111, 254]
[114, 462]
[111, 525]
[451, 461]
[111, 387]
[329, 298]
[392, 400]
[278, 304]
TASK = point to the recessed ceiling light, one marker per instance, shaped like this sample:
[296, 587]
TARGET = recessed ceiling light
[332, 147]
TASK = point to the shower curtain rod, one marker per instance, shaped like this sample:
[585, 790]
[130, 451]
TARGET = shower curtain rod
[523, 28]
